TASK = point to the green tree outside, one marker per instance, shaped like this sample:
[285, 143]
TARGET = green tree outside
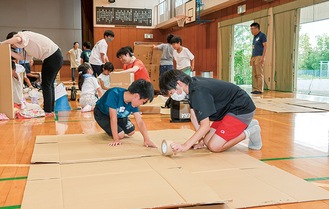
[242, 54]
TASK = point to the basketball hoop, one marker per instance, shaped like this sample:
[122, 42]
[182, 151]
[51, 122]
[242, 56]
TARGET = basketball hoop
[180, 22]
[182, 19]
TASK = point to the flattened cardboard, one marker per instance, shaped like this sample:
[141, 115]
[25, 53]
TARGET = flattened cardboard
[135, 183]
[132, 176]
[285, 105]
[43, 194]
[45, 153]
[44, 171]
[305, 191]
[228, 160]
[93, 147]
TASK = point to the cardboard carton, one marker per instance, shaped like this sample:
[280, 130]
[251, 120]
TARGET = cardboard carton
[144, 53]
[122, 80]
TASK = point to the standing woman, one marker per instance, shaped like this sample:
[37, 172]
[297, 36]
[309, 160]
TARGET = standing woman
[40, 47]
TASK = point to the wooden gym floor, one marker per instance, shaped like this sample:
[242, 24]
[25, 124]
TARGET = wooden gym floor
[294, 142]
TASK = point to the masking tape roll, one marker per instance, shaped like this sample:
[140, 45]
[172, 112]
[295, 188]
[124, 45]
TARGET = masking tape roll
[166, 148]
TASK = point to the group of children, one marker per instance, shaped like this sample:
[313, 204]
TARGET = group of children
[221, 112]
[93, 88]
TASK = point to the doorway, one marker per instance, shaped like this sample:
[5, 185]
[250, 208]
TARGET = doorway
[242, 42]
[313, 54]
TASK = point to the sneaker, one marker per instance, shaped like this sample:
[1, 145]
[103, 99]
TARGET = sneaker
[256, 92]
[255, 139]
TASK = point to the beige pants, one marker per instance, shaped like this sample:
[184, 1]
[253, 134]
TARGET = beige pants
[257, 74]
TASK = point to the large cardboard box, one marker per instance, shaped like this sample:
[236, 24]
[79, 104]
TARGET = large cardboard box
[156, 57]
[122, 80]
[145, 52]
[6, 86]
[154, 76]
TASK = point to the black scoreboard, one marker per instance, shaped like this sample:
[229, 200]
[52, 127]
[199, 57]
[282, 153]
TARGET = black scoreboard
[123, 16]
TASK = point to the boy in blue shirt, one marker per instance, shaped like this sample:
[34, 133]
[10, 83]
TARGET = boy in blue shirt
[113, 108]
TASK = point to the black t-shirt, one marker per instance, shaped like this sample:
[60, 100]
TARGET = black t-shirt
[215, 98]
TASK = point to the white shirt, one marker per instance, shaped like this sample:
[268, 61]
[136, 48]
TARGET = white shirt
[105, 79]
[19, 68]
[36, 45]
[183, 59]
[18, 84]
[75, 57]
[89, 86]
[95, 56]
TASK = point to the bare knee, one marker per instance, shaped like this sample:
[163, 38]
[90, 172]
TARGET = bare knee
[121, 135]
[214, 146]
[131, 133]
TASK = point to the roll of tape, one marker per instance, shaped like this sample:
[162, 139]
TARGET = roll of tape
[166, 148]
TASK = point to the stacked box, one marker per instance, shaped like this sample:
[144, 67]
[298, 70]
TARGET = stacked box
[151, 59]
[122, 80]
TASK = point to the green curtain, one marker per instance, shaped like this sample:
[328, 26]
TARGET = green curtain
[284, 39]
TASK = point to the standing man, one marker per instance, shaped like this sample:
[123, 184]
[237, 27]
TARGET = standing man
[257, 58]
[74, 56]
[98, 53]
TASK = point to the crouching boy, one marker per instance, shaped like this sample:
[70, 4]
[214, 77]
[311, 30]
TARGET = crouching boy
[113, 108]
[221, 112]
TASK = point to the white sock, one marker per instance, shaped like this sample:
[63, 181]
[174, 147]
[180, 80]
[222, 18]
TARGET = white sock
[255, 139]
[252, 123]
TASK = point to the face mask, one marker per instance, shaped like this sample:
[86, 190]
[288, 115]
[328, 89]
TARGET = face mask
[178, 97]
[109, 39]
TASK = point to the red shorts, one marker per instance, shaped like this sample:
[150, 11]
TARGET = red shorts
[229, 127]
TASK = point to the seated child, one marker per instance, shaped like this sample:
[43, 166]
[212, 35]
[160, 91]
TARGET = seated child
[89, 88]
[113, 109]
[104, 77]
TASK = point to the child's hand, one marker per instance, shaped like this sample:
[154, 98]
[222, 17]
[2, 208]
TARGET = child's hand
[115, 143]
[177, 147]
[149, 143]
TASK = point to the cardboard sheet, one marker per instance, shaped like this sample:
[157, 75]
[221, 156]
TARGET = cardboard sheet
[289, 105]
[93, 147]
[90, 174]
[134, 183]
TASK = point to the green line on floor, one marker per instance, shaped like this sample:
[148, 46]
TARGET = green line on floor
[317, 179]
[11, 207]
[14, 178]
[292, 158]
